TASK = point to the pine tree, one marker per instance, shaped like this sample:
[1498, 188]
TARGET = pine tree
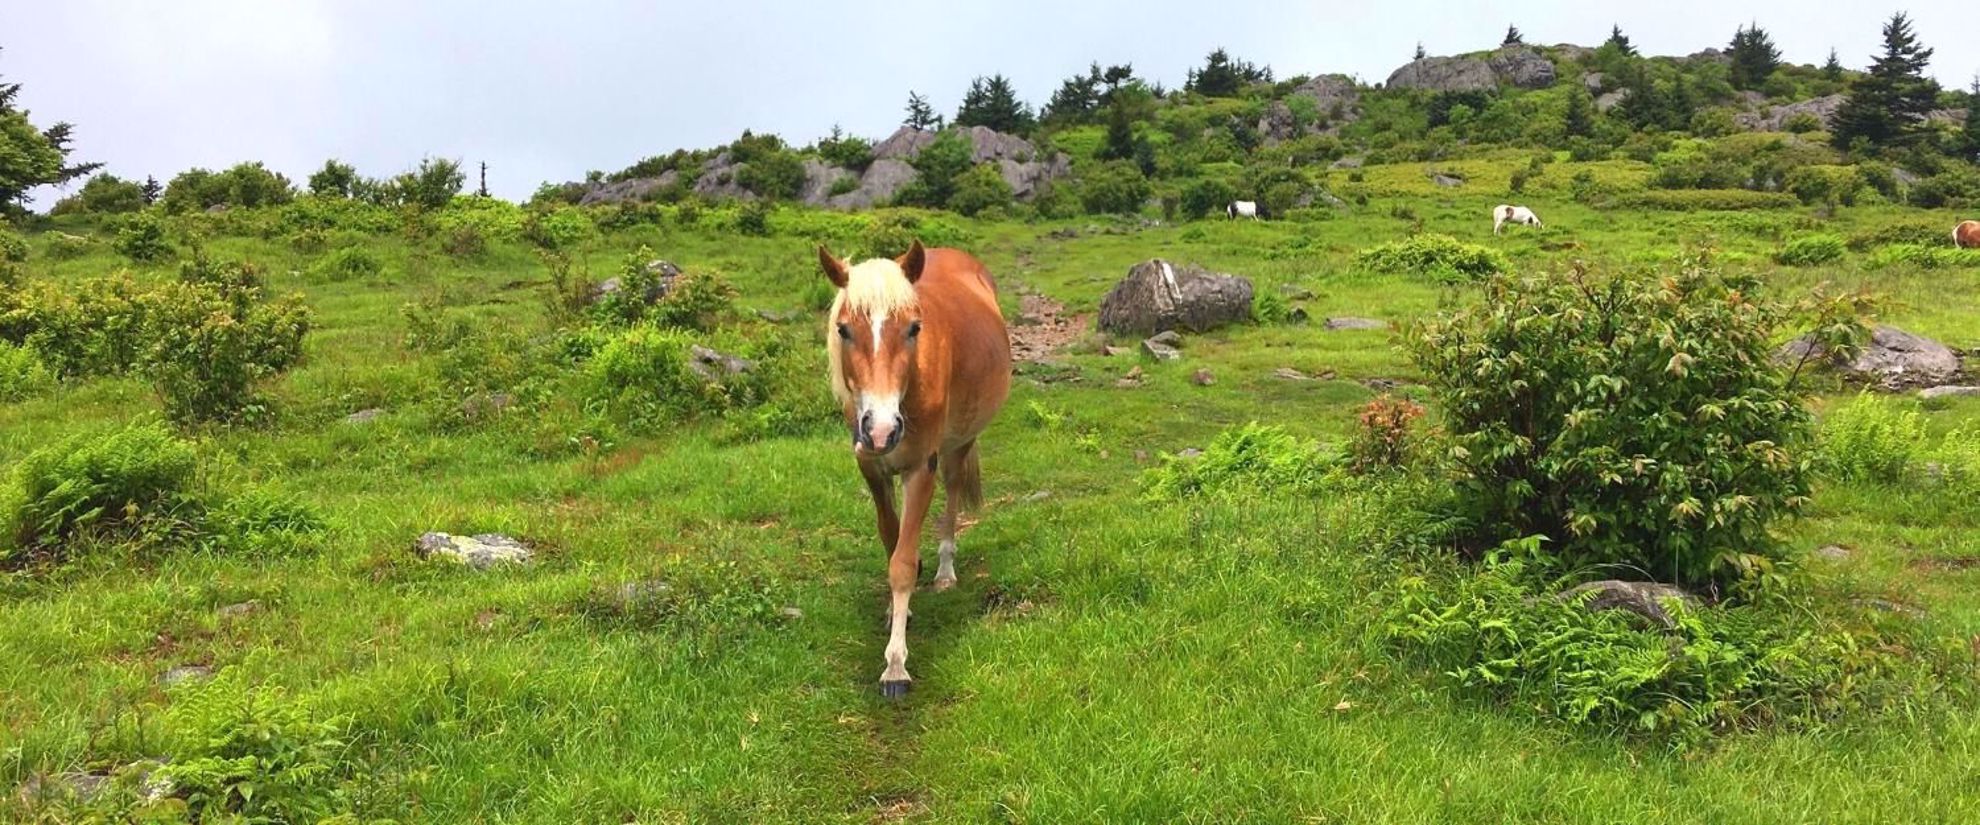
[993, 102]
[1754, 57]
[1420, 53]
[1225, 76]
[1077, 98]
[152, 189]
[1120, 143]
[31, 157]
[1971, 133]
[1620, 41]
[1886, 107]
[920, 115]
[1580, 118]
[1513, 37]
[1832, 70]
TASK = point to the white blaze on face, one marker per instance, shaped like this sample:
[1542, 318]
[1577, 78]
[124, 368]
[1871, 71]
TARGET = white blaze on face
[879, 322]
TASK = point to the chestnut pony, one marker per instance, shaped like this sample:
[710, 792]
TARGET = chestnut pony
[921, 362]
[1967, 235]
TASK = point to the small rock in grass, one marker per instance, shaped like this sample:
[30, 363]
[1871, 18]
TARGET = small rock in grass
[1948, 391]
[1833, 552]
[1646, 599]
[1290, 374]
[1203, 378]
[1349, 322]
[235, 611]
[479, 552]
[364, 416]
[1039, 495]
[1160, 351]
[1189, 452]
[185, 673]
[792, 613]
[1167, 336]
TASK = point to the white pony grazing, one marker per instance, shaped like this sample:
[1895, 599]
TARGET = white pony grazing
[1505, 213]
[1245, 209]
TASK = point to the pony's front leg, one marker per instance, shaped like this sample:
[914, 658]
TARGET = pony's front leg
[902, 571]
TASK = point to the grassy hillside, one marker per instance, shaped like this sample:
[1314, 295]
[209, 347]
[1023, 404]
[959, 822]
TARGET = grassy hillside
[1107, 657]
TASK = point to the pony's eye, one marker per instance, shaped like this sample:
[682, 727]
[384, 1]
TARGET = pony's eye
[845, 333]
[914, 330]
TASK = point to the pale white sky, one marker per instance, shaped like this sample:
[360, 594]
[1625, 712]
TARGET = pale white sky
[547, 91]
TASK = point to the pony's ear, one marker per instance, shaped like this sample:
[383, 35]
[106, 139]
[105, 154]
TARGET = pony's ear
[913, 261]
[835, 269]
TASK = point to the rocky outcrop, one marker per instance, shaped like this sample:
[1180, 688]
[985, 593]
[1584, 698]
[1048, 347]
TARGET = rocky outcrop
[819, 179]
[1647, 599]
[903, 144]
[882, 180]
[1521, 66]
[1611, 100]
[630, 190]
[1893, 359]
[719, 180]
[1775, 118]
[1158, 296]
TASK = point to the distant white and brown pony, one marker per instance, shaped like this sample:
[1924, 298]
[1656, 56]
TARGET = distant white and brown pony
[1241, 209]
[1967, 235]
[920, 363]
[1506, 213]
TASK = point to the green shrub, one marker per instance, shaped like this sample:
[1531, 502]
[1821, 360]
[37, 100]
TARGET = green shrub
[347, 264]
[1637, 423]
[1202, 197]
[1822, 183]
[1921, 257]
[1440, 256]
[103, 194]
[118, 484]
[1870, 439]
[1958, 457]
[753, 218]
[245, 753]
[432, 185]
[982, 187]
[644, 374]
[63, 246]
[1687, 200]
[1114, 187]
[690, 300]
[773, 175]
[564, 228]
[96, 327]
[1253, 457]
[13, 247]
[1913, 232]
[1713, 669]
[1810, 250]
[22, 375]
[207, 350]
[142, 239]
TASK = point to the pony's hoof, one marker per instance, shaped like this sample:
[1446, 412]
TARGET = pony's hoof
[894, 689]
[942, 584]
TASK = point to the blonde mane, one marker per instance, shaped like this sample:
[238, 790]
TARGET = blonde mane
[877, 289]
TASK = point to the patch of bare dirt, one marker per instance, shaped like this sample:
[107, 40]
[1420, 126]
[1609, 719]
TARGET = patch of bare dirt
[1043, 327]
[1947, 563]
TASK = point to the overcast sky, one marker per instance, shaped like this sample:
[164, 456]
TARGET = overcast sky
[541, 93]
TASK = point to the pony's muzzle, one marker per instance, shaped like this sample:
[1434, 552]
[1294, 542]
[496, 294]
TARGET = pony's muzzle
[878, 436]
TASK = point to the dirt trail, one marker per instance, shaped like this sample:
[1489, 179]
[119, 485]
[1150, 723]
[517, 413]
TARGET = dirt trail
[1043, 327]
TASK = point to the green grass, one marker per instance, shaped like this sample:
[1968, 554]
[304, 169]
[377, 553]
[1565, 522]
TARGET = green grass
[1104, 659]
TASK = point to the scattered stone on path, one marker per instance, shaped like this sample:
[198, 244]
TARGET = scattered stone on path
[1160, 351]
[235, 611]
[1295, 292]
[185, 673]
[1646, 599]
[1131, 379]
[1833, 552]
[1948, 391]
[791, 612]
[1203, 378]
[364, 416]
[1290, 374]
[1189, 452]
[1037, 496]
[712, 365]
[1382, 384]
[1169, 337]
[480, 552]
[1111, 351]
[1350, 322]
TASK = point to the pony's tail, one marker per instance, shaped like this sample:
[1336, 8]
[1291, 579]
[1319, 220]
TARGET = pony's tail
[964, 481]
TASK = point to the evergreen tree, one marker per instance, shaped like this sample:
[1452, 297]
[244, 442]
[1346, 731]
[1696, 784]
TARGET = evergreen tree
[1971, 134]
[920, 115]
[1077, 98]
[1420, 53]
[1886, 107]
[1513, 37]
[1832, 70]
[1580, 118]
[1620, 42]
[993, 102]
[1120, 144]
[1224, 76]
[31, 157]
[1754, 57]
[152, 189]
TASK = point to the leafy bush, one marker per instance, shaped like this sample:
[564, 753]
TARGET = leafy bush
[119, 484]
[982, 187]
[1202, 197]
[1921, 257]
[1958, 457]
[103, 194]
[774, 175]
[1810, 250]
[754, 218]
[245, 185]
[937, 168]
[1912, 233]
[142, 239]
[1253, 457]
[208, 349]
[252, 754]
[63, 246]
[644, 374]
[1441, 256]
[96, 327]
[1688, 200]
[1714, 669]
[432, 185]
[1636, 423]
[464, 242]
[1114, 187]
[1823, 183]
[1870, 439]
[690, 300]
[13, 247]
[1384, 436]
[348, 263]
[563, 228]
[22, 375]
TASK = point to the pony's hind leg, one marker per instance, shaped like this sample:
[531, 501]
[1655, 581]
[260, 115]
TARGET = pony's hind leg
[902, 570]
[962, 484]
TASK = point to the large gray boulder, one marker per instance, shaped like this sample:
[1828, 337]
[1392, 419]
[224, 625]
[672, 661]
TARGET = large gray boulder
[1893, 359]
[883, 179]
[719, 180]
[819, 178]
[1157, 296]
[1336, 100]
[1522, 66]
[903, 144]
